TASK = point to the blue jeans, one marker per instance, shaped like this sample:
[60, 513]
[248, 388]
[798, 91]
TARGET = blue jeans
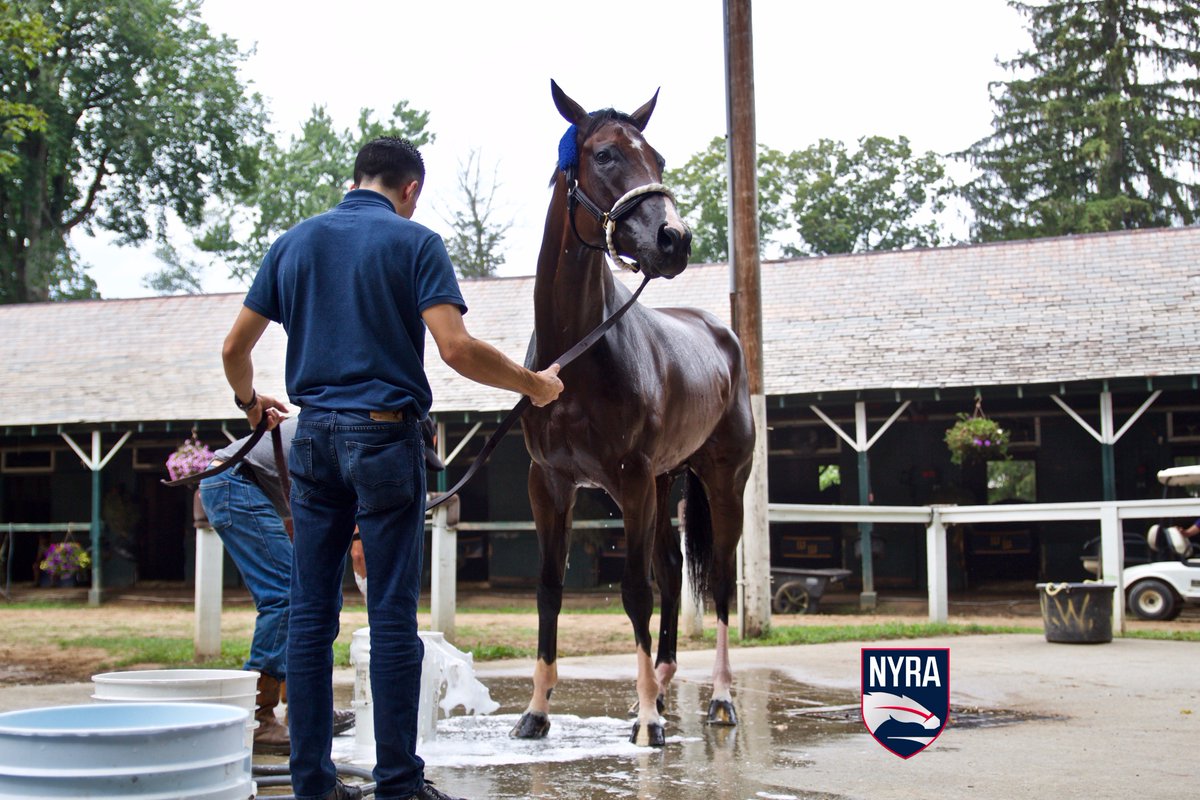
[347, 468]
[254, 536]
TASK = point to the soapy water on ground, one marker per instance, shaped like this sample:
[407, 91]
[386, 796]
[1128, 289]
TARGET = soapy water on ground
[587, 754]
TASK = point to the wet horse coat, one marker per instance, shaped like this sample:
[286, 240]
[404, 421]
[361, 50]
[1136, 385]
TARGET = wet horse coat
[663, 393]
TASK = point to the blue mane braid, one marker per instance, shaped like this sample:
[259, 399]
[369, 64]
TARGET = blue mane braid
[568, 150]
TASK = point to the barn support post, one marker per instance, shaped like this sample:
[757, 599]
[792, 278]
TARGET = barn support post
[861, 442]
[868, 599]
[1108, 435]
[96, 463]
[754, 550]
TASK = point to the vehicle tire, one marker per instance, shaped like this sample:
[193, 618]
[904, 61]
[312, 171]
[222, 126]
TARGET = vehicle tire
[790, 598]
[1153, 599]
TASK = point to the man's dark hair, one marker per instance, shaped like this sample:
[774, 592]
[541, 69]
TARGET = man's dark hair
[391, 160]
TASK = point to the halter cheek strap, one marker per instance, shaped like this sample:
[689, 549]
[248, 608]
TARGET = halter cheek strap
[608, 219]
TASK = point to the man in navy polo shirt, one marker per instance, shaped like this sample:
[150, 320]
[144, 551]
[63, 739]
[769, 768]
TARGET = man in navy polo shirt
[355, 289]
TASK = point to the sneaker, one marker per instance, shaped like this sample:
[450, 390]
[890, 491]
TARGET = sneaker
[431, 792]
[341, 791]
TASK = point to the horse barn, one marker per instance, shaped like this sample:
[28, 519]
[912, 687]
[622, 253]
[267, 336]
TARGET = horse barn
[1085, 348]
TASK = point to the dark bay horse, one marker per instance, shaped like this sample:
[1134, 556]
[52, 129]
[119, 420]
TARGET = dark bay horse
[664, 393]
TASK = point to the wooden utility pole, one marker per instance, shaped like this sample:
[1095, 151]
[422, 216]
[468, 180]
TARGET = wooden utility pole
[754, 555]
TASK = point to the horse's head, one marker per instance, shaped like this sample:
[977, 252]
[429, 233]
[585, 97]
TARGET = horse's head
[616, 176]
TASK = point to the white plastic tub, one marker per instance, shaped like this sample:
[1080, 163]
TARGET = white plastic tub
[148, 751]
[231, 687]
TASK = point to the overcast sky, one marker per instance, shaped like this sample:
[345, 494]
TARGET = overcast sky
[482, 69]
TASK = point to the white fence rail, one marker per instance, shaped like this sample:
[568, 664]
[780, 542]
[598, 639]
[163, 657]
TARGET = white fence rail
[935, 519]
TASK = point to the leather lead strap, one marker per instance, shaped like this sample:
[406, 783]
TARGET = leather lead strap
[510, 419]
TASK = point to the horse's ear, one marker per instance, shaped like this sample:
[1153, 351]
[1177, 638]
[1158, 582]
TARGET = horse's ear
[572, 112]
[642, 115]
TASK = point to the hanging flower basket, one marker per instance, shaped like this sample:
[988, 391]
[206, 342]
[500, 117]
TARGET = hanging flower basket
[65, 560]
[189, 458]
[976, 438]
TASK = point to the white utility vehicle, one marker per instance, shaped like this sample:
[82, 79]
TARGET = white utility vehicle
[1160, 588]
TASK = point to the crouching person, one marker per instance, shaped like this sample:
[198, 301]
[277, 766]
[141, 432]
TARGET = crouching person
[247, 508]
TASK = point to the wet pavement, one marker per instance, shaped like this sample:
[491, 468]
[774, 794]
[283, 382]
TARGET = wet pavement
[1029, 718]
[587, 753]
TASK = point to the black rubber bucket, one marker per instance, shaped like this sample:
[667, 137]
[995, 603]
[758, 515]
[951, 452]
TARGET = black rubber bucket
[1077, 613]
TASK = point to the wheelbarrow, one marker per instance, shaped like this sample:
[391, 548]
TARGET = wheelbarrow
[799, 591]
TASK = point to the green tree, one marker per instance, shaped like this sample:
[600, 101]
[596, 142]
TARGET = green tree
[878, 197]
[144, 118]
[823, 199]
[1099, 128]
[306, 177]
[474, 243]
[24, 38]
[701, 188]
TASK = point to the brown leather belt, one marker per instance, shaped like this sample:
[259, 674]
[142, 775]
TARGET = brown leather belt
[391, 416]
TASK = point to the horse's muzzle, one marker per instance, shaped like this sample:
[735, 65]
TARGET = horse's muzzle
[673, 241]
[673, 246]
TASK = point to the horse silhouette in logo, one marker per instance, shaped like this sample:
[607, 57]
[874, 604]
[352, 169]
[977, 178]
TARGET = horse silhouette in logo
[893, 716]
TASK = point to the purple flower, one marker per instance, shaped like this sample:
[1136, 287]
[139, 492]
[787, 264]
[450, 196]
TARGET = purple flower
[192, 456]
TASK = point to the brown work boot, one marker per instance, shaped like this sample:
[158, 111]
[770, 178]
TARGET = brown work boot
[343, 719]
[271, 736]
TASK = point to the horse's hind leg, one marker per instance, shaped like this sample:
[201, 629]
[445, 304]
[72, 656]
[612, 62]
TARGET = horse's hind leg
[724, 512]
[668, 574]
[552, 498]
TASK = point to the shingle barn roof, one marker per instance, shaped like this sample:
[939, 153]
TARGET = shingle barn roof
[1040, 311]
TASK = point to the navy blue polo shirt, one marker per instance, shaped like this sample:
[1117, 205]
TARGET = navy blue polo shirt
[349, 287]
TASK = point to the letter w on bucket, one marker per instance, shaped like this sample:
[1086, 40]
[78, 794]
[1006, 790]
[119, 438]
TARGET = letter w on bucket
[905, 696]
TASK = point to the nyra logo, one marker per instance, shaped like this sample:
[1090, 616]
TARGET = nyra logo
[905, 696]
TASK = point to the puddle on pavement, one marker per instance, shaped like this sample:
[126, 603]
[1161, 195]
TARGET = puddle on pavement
[587, 755]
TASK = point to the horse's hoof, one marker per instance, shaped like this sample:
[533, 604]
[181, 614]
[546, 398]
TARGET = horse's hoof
[660, 703]
[652, 735]
[720, 712]
[531, 725]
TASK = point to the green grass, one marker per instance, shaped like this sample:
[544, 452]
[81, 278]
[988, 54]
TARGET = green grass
[822, 634]
[1170, 636]
[178, 651]
[497, 652]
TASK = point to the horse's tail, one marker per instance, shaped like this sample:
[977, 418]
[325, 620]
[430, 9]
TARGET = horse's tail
[698, 525]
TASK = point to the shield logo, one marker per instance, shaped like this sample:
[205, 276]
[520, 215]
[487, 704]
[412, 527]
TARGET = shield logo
[905, 696]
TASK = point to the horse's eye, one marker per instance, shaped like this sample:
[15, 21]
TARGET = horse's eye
[603, 157]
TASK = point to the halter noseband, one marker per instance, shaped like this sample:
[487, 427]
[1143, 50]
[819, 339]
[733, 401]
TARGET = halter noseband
[608, 219]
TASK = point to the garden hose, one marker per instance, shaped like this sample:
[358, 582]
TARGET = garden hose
[278, 775]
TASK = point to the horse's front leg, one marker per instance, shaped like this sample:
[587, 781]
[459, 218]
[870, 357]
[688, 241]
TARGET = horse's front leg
[668, 574]
[637, 500]
[552, 498]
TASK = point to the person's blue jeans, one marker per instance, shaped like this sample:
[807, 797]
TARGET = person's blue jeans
[254, 536]
[347, 468]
